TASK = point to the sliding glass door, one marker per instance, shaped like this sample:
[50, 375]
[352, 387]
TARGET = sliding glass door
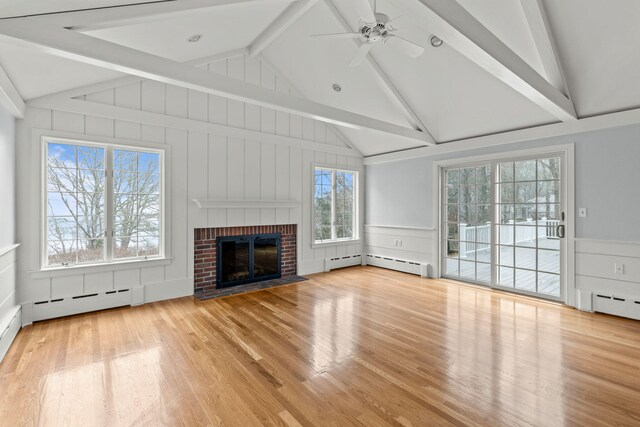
[503, 223]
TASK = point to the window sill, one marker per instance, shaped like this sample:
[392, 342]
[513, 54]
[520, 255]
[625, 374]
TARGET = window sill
[98, 268]
[334, 243]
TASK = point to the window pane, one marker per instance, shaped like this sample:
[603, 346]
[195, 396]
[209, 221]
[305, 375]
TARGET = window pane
[549, 169]
[61, 252]
[90, 158]
[525, 171]
[125, 247]
[75, 203]
[90, 250]
[525, 192]
[125, 160]
[343, 200]
[505, 172]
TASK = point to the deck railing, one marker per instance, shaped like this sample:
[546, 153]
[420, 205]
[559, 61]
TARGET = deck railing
[509, 235]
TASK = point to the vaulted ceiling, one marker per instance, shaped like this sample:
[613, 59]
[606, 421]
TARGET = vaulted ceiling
[449, 92]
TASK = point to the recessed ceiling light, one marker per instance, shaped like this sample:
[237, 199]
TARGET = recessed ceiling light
[435, 41]
[337, 87]
[194, 38]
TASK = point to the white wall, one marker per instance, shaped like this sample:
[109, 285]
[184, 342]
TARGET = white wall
[7, 178]
[9, 307]
[204, 165]
[607, 179]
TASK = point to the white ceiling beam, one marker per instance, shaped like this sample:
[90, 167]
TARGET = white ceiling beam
[463, 32]
[387, 85]
[79, 47]
[129, 80]
[281, 24]
[118, 16]
[10, 97]
[540, 28]
[555, 130]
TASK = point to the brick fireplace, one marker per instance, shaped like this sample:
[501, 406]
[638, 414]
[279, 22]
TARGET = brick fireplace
[206, 244]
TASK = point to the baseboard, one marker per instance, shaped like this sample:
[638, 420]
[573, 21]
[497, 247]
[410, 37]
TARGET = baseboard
[421, 269]
[9, 331]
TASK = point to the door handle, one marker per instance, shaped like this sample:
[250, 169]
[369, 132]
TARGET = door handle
[560, 231]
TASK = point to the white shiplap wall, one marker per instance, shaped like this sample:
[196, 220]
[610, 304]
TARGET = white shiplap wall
[203, 166]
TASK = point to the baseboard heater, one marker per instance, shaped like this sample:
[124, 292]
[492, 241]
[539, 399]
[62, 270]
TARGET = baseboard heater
[616, 305]
[341, 262]
[405, 266]
[68, 306]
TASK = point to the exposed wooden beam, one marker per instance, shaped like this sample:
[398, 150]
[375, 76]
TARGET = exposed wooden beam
[543, 38]
[286, 19]
[589, 124]
[117, 16]
[156, 119]
[387, 85]
[79, 47]
[10, 97]
[463, 32]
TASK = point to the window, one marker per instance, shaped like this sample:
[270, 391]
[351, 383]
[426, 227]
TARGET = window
[335, 215]
[104, 203]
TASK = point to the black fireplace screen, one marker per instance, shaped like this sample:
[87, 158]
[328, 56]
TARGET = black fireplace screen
[246, 259]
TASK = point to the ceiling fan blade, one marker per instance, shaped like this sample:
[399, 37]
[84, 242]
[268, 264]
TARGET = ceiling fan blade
[405, 46]
[365, 11]
[360, 54]
[336, 36]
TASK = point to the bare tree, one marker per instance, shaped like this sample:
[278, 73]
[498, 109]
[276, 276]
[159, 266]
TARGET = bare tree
[77, 221]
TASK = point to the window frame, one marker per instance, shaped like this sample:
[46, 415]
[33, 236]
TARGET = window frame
[109, 145]
[356, 206]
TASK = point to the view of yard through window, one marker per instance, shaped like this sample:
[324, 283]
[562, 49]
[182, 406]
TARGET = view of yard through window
[334, 204]
[77, 216]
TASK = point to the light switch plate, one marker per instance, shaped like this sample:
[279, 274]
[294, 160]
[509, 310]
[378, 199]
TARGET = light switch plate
[582, 212]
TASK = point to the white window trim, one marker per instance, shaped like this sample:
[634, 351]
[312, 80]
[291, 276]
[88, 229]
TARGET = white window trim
[164, 257]
[356, 206]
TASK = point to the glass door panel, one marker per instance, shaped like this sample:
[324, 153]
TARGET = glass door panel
[527, 216]
[467, 223]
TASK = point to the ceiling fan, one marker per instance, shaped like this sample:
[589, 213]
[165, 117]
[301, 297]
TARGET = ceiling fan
[374, 28]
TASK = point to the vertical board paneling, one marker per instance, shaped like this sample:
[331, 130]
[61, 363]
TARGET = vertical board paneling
[235, 179]
[267, 181]
[178, 141]
[202, 166]
[252, 168]
[218, 179]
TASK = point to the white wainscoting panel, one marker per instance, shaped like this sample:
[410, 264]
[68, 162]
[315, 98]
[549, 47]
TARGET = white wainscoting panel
[203, 166]
[10, 311]
[399, 248]
[610, 292]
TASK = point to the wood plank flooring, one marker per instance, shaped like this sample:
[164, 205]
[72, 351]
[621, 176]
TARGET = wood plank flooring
[358, 346]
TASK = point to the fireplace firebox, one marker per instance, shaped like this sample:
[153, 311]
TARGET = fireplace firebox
[247, 259]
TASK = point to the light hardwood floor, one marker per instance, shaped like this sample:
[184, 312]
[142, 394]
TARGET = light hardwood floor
[358, 346]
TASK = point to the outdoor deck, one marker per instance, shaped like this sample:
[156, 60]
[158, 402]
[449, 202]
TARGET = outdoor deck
[548, 266]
